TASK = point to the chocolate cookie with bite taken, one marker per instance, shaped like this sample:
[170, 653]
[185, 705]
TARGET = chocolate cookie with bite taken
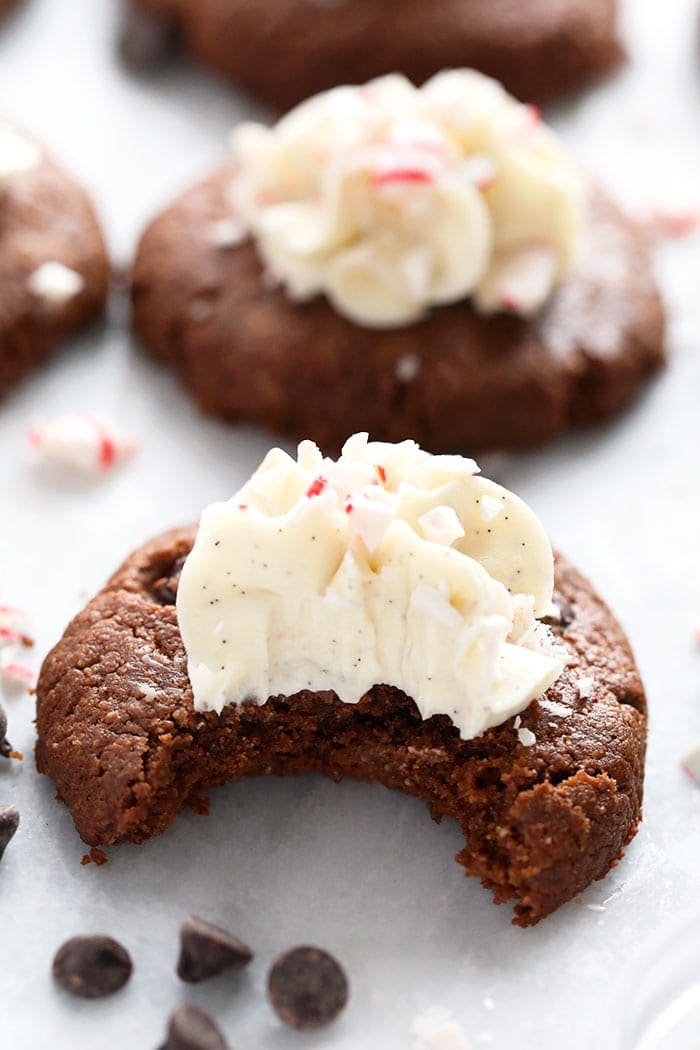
[384, 618]
[286, 50]
[422, 263]
[54, 269]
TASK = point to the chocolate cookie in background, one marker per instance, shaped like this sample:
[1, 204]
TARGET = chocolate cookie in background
[54, 269]
[7, 5]
[439, 275]
[284, 50]
[543, 770]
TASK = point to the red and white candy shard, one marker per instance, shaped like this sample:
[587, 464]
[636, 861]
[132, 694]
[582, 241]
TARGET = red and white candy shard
[83, 441]
[16, 677]
[691, 764]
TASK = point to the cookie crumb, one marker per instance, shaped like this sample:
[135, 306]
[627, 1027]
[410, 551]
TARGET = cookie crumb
[95, 856]
[308, 989]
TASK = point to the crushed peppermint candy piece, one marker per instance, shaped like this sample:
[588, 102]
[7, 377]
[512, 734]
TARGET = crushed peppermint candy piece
[83, 441]
[407, 368]
[519, 283]
[17, 153]
[526, 737]
[441, 525]
[691, 764]
[438, 1029]
[55, 284]
[585, 686]
[369, 519]
[227, 233]
[15, 676]
[490, 507]
[480, 170]
[669, 219]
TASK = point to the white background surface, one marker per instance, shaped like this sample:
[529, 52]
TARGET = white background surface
[354, 868]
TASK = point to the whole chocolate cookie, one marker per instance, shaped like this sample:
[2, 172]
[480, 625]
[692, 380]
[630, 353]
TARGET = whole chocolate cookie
[546, 804]
[456, 381]
[285, 50]
[54, 269]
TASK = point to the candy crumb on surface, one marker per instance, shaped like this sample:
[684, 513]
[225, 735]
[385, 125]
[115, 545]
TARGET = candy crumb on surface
[691, 764]
[438, 1029]
[86, 442]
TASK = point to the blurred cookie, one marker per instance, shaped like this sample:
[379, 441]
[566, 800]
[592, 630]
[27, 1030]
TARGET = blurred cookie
[285, 50]
[53, 261]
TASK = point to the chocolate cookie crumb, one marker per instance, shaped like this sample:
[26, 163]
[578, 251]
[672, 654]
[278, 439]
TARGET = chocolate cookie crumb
[9, 822]
[207, 950]
[307, 988]
[92, 966]
[146, 39]
[191, 1029]
[95, 856]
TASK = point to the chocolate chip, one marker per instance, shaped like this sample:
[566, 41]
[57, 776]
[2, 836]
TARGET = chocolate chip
[191, 1029]
[146, 39]
[165, 588]
[5, 745]
[307, 988]
[92, 966]
[9, 822]
[207, 950]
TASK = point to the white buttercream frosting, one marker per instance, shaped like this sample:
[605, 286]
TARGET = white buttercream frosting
[390, 199]
[387, 566]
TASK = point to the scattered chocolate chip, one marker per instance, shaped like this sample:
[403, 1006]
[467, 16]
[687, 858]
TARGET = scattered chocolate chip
[92, 967]
[5, 745]
[146, 39]
[9, 822]
[191, 1029]
[207, 950]
[307, 988]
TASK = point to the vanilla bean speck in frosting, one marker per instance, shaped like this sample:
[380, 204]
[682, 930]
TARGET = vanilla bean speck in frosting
[388, 566]
[391, 199]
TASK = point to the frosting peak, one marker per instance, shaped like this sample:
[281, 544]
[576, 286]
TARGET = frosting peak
[391, 199]
[387, 566]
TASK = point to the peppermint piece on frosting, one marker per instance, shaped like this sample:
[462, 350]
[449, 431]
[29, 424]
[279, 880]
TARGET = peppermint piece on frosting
[441, 525]
[55, 284]
[17, 153]
[376, 568]
[391, 199]
[83, 441]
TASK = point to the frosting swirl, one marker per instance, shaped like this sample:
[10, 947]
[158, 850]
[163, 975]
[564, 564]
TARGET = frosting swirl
[387, 566]
[390, 199]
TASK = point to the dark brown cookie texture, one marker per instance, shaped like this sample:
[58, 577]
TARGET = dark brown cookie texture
[285, 50]
[118, 733]
[45, 218]
[456, 381]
